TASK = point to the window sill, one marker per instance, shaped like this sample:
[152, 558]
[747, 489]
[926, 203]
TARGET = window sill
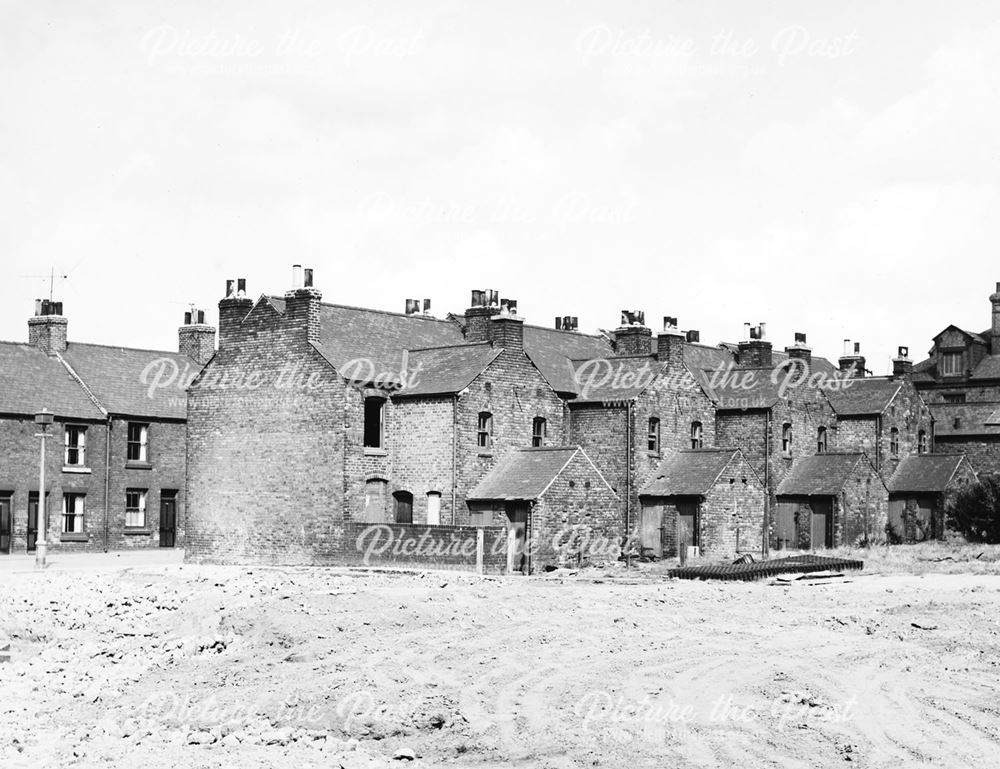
[138, 466]
[486, 453]
[78, 469]
[371, 452]
[137, 532]
[73, 537]
[654, 454]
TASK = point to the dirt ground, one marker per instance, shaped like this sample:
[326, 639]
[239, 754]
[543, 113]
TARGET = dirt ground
[166, 665]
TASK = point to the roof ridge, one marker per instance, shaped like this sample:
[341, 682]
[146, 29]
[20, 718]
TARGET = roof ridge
[416, 316]
[83, 385]
[450, 346]
[122, 347]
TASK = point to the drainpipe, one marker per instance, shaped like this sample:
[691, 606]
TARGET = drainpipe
[107, 480]
[766, 544]
[628, 485]
[454, 458]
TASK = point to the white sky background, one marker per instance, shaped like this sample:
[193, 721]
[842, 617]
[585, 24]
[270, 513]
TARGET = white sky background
[834, 170]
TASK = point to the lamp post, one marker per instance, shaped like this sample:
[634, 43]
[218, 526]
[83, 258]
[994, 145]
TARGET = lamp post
[43, 419]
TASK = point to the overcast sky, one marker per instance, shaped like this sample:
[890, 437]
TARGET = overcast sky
[829, 168]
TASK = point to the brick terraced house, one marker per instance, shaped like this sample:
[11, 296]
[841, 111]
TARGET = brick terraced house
[314, 418]
[115, 458]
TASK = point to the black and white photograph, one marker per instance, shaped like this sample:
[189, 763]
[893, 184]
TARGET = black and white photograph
[468, 385]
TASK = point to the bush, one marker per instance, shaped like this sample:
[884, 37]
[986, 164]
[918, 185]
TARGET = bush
[975, 511]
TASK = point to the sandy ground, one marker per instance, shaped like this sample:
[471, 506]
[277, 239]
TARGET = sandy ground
[149, 663]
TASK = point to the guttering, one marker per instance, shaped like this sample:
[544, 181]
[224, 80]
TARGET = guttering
[766, 543]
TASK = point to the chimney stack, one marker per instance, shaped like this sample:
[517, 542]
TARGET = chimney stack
[799, 350]
[195, 338]
[232, 310]
[507, 329]
[633, 336]
[47, 329]
[755, 351]
[485, 304]
[670, 345]
[902, 366]
[853, 361]
[995, 330]
[302, 304]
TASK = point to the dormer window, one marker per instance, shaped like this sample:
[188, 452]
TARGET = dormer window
[951, 364]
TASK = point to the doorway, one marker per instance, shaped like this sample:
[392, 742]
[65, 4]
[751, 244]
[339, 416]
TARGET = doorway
[517, 537]
[403, 504]
[821, 523]
[168, 518]
[6, 524]
[687, 526]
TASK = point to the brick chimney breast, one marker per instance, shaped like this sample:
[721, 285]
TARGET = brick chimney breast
[633, 337]
[902, 366]
[195, 338]
[232, 310]
[799, 350]
[484, 306]
[755, 351]
[670, 345]
[47, 329]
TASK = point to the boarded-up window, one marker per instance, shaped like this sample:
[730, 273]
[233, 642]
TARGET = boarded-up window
[375, 491]
[433, 508]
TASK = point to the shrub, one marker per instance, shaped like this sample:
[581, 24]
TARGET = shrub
[975, 511]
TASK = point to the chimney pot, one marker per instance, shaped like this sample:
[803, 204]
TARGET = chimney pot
[800, 338]
[187, 319]
[427, 306]
[241, 286]
[558, 323]
[693, 336]
[307, 277]
[296, 276]
[230, 288]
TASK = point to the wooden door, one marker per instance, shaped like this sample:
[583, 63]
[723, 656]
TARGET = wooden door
[785, 535]
[650, 529]
[517, 537]
[168, 519]
[6, 524]
[403, 506]
[821, 523]
[687, 526]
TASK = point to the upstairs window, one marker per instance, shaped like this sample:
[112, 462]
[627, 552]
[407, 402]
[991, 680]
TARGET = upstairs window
[951, 363]
[821, 440]
[76, 446]
[135, 509]
[786, 439]
[894, 442]
[697, 435]
[954, 397]
[484, 430]
[922, 442]
[374, 422]
[653, 435]
[538, 432]
[138, 442]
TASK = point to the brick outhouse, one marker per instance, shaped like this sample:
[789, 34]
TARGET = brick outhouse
[919, 493]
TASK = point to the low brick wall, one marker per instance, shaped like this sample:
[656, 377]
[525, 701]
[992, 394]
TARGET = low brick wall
[417, 545]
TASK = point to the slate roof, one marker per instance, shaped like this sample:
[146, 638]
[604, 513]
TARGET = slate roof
[820, 475]
[30, 380]
[925, 473]
[760, 392]
[120, 378]
[442, 370]
[692, 472]
[698, 356]
[525, 475]
[973, 419]
[864, 396]
[553, 353]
